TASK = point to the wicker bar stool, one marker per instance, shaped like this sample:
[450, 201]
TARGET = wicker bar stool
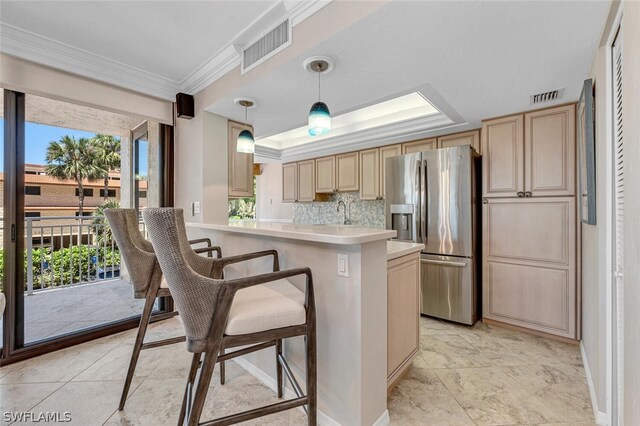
[146, 278]
[254, 312]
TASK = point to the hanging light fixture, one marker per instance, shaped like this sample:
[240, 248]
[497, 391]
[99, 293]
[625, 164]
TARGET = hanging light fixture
[245, 142]
[319, 115]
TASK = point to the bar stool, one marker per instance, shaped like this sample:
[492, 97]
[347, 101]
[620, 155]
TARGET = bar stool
[254, 312]
[146, 278]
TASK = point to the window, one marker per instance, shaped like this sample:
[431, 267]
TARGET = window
[142, 194]
[88, 192]
[32, 190]
[31, 214]
[84, 213]
[110, 193]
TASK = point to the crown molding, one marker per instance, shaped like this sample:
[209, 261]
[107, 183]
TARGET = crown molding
[403, 131]
[43, 50]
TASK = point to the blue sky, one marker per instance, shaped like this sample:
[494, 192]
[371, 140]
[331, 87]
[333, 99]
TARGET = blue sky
[38, 136]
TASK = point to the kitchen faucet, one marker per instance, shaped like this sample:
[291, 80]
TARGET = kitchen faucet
[347, 220]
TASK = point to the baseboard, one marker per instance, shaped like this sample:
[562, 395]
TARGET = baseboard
[600, 417]
[271, 383]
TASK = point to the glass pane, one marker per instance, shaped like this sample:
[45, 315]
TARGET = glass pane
[2, 188]
[141, 169]
[72, 173]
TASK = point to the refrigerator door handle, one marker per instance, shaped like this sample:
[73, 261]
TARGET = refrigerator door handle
[444, 263]
[424, 211]
[417, 237]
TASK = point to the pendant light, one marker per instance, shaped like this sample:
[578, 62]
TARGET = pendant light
[319, 115]
[245, 142]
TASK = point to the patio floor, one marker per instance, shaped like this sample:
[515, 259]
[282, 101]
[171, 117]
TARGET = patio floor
[59, 311]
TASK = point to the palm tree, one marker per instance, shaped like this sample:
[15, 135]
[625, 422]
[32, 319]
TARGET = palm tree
[102, 230]
[74, 159]
[108, 148]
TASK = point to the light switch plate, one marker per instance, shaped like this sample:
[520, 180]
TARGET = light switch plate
[343, 265]
[195, 208]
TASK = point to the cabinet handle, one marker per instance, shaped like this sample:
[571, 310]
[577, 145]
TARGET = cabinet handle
[485, 201]
[528, 194]
[520, 194]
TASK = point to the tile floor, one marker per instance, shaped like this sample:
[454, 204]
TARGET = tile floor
[481, 375]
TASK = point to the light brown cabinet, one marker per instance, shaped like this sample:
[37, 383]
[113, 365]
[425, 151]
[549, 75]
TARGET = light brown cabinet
[419, 145]
[370, 174]
[326, 174]
[403, 314]
[465, 138]
[290, 183]
[529, 268]
[530, 155]
[347, 172]
[306, 180]
[387, 152]
[240, 164]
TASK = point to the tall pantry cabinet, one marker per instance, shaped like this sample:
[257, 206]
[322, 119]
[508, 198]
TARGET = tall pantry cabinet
[530, 227]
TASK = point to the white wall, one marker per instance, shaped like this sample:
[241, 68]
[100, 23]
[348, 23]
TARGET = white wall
[269, 203]
[631, 107]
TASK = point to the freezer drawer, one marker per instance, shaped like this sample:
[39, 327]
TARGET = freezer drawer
[448, 288]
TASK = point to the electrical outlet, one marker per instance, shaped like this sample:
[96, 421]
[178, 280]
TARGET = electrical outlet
[343, 265]
[195, 208]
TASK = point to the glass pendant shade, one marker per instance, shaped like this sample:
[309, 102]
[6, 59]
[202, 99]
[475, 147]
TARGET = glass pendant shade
[246, 143]
[319, 119]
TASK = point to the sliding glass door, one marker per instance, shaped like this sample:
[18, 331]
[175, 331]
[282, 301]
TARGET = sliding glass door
[62, 274]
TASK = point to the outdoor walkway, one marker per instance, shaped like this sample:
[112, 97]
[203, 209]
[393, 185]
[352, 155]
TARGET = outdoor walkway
[59, 311]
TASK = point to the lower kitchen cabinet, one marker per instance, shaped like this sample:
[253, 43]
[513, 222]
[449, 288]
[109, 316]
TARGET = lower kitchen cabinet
[403, 314]
[529, 268]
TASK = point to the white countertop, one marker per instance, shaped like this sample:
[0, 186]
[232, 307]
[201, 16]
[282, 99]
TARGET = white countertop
[396, 249]
[331, 234]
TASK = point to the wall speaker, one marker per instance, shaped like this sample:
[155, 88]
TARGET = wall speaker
[185, 106]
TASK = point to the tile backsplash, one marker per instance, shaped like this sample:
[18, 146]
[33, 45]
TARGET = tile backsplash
[363, 213]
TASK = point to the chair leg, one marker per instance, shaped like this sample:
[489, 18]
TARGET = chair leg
[222, 369]
[137, 346]
[193, 371]
[279, 372]
[312, 374]
[202, 388]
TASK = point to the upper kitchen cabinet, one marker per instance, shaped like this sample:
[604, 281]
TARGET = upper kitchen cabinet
[419, 145]
[326, 174]
[503, 157]
[387, 152]
[306, 180]
[240, 164]
[549, 143]
[466, 138]
[347, 171]
[530, 155]
[370, 174]
[290, 183]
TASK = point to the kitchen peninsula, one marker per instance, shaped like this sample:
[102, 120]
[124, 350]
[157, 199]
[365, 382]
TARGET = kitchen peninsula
[349, 266]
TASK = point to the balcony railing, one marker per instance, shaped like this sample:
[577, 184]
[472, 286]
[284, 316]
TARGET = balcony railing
[68, 250]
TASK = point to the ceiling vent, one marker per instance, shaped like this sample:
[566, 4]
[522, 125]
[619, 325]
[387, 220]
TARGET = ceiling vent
[543, 97]
[270, 43]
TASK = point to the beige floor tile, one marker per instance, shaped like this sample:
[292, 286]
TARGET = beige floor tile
[450, 351]
[88, 403]
[16, 398]
[421, 398]
[431, 326]
[491, 397]
[59, 366]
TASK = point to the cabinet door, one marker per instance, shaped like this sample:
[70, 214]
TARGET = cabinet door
[550, 145]
[403, 311]
[387, 152]
[240, 164]
[529, 268]
[419, 146]
[306, 180]
[326, 174]
[466, 138]
[503, 157]
[290, 183]
[370, 174]
[347, 171]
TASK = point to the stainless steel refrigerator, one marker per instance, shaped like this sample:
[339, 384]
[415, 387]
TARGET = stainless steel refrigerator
[433, 198]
